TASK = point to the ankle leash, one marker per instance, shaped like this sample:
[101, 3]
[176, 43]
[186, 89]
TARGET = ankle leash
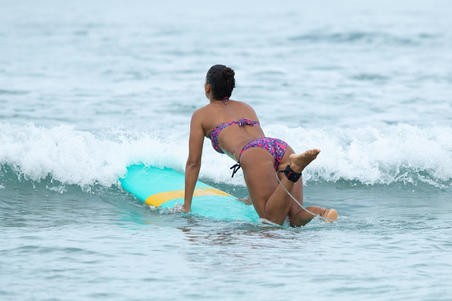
[295, 200]
[290, 174]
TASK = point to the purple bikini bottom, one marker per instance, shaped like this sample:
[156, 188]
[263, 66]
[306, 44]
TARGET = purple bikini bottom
[275, 147]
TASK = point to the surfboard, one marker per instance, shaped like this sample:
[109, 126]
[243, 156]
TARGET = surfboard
[164, 188]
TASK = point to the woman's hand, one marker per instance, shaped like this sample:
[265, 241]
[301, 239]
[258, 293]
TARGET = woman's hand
[179, 208]
[185, 209]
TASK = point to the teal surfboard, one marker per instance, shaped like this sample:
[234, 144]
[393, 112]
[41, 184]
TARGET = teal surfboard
[164, 188]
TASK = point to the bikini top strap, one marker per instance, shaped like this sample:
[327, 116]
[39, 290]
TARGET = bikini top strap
[215, 133]
[235, 168]
[243, 121]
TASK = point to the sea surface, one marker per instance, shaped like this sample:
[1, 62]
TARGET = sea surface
[90, 87]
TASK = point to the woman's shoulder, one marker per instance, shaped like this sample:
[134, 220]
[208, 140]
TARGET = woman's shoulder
[201, 110]
[245, 107]
[202, 114]
[242, 104]
[212, 111]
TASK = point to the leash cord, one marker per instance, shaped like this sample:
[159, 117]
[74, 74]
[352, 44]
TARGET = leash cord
[298, 203]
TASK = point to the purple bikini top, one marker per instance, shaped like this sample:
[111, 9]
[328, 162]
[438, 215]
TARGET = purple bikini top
[216, 131]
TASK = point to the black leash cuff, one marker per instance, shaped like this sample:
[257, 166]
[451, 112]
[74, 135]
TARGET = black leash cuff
[290, 174]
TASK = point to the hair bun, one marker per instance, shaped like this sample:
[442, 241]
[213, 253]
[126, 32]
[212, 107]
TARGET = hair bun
[228, 73]
[222, 81]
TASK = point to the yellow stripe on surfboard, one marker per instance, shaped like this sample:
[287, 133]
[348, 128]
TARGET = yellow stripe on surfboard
[162, 197]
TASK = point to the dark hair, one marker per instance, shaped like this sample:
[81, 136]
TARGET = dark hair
[221, 78]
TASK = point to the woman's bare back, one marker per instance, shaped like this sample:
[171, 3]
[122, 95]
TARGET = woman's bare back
[234, 137]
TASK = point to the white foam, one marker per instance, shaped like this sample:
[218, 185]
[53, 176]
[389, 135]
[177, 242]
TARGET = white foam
[399, 153]
[390, 154]
[79, 157]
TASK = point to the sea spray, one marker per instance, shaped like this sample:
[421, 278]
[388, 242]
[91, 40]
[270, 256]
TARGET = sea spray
[392, 154]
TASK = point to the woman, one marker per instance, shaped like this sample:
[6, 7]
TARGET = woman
[234, 130]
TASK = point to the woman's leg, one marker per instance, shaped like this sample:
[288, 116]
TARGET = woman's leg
[269, 199]
[297, 215]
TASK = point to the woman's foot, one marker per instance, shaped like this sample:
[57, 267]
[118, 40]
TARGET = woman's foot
[298, 162]
[329, 215]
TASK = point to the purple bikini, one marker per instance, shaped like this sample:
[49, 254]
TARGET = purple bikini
[275, 147]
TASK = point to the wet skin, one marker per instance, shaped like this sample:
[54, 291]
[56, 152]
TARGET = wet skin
[268, 197]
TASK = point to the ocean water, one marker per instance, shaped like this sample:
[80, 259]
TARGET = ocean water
[90, 87]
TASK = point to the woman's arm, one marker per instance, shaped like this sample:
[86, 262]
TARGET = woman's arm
[193, 165]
